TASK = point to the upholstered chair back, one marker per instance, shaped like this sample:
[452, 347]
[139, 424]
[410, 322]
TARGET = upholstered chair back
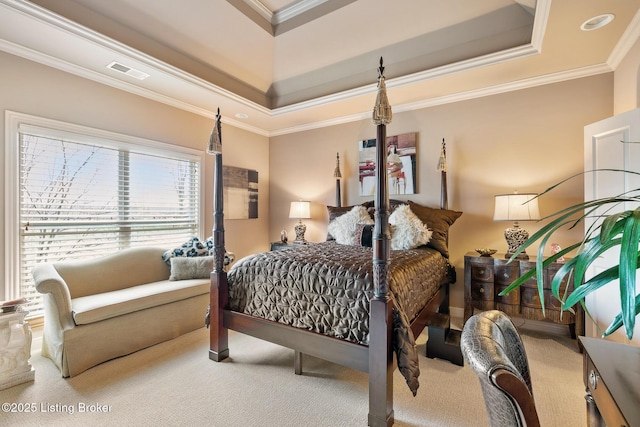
[493, 349]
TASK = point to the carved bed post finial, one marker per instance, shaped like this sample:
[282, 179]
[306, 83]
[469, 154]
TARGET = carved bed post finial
[382, 114]
[215, 140]
[337, 175]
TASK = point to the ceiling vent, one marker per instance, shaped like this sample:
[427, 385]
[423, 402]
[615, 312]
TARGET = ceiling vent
[127, 70]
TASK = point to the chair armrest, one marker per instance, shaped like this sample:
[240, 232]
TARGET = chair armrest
[519, 392]
[48, 281]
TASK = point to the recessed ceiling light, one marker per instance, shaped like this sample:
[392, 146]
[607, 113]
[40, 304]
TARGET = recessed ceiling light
[597, 22]
[242, 116]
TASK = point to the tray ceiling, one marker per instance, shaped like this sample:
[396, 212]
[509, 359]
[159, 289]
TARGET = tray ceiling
[291, 66]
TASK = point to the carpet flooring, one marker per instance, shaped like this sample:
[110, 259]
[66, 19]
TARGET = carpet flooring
[175, 384]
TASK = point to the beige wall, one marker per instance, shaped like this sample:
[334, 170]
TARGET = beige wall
[250, 151]
[34, 89]
[524, 140]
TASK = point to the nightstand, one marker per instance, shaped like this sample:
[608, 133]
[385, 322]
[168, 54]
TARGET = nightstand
[485, 277]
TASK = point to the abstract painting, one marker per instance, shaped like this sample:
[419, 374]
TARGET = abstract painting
[240, 195]
[401, 164]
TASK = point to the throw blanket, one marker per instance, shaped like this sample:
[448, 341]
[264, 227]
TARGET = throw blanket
[326, 288]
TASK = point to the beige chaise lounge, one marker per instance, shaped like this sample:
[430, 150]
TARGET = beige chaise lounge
[97, 310]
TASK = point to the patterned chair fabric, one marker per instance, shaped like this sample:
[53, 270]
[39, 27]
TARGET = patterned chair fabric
[493, 349]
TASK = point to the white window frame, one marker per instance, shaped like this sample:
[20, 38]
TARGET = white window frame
[14, 121]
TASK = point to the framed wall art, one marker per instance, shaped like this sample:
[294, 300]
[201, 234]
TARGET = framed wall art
[401, 164]
[240, 194]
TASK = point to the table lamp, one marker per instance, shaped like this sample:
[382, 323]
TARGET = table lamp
[300, 210]
[516, 207]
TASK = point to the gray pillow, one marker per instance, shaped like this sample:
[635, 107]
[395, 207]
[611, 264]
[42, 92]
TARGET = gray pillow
[184, 268]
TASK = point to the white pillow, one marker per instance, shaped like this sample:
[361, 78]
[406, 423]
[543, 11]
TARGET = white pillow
[343, 228]
[410, 232]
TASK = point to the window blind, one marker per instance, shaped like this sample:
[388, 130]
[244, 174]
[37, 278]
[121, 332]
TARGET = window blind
[86, 197]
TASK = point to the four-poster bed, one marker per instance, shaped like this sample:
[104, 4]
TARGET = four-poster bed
[388, 320]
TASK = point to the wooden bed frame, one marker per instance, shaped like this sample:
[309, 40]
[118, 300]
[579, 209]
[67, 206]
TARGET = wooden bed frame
[377, 358]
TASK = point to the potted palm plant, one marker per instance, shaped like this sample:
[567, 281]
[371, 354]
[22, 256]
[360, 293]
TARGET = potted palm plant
[613, 228]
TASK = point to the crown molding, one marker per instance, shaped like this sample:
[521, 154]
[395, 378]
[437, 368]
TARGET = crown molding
[461, 96]
[445, 70]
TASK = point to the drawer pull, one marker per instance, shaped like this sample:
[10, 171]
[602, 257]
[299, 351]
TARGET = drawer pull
[481, 290]
[593, 379]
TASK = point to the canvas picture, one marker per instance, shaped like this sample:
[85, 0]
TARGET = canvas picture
[401, 164]
[240, 193]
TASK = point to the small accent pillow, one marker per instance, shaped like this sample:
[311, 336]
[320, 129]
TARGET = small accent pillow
[184, 268]
[363, 235]
[193, 248]
[409, 232]
[343, 227]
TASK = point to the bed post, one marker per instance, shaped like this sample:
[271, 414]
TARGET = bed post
[380, 320]
[337, 175]
[442, 167]
[219, 294]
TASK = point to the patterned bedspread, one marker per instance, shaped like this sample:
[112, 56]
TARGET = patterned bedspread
[326, 288]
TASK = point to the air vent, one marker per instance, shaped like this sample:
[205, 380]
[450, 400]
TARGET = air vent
[127, 70]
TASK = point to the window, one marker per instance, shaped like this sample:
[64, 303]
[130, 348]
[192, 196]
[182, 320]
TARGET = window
[82, 193]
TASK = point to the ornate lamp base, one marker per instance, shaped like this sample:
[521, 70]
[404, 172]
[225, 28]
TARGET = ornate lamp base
[300, 230]
[515, 237]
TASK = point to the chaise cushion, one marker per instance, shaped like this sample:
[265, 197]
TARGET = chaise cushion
[93, 308]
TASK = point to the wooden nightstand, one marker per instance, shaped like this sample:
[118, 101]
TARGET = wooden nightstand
[486, 277]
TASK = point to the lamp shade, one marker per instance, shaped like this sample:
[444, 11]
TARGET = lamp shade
[516, 207]
[300, 210]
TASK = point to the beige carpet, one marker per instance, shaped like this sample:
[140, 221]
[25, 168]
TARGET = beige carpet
[175, 384]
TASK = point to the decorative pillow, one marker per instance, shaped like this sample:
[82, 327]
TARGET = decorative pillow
[343, 227]
[184, 268]
[363, 235]
[409, 232]
[439, 221]
[335, 212]
[192, 248]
